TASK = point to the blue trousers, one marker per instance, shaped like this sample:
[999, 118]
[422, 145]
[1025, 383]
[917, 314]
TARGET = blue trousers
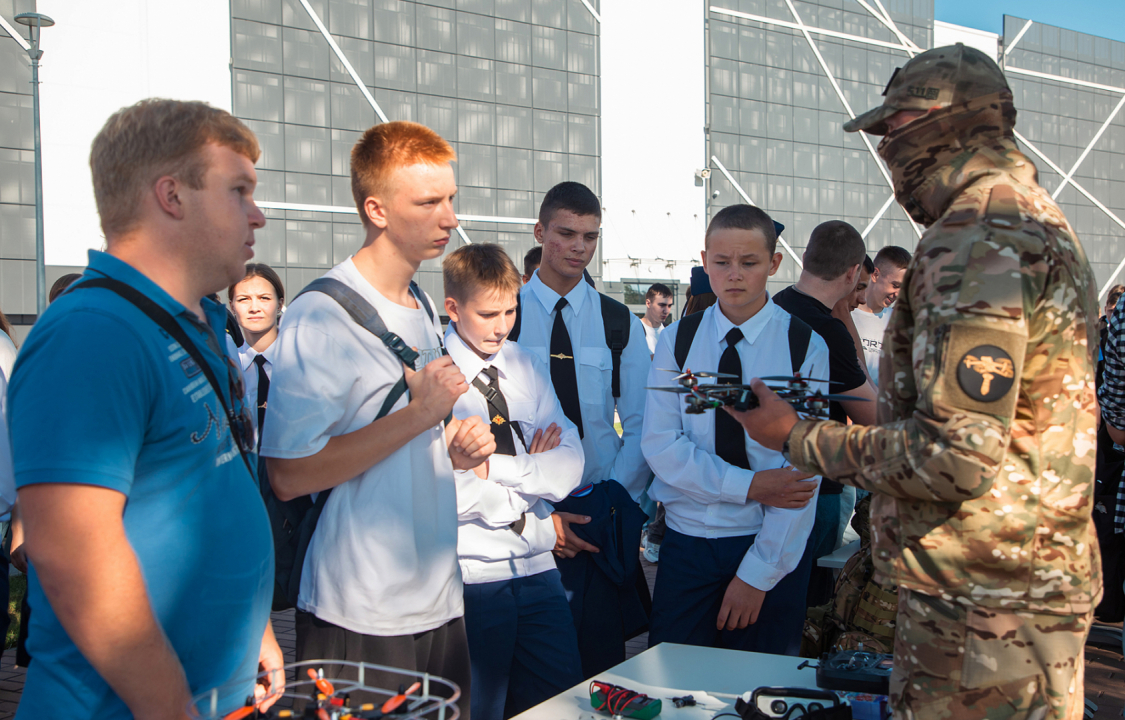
[690, 583]
[522, 644]
[822, 541]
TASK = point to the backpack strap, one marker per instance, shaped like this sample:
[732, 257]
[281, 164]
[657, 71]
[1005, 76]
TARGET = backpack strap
[241, 432]
[799, 335]
[616, 318]
[685, 334]
[367, 317]
[514, 334]
[615, 321]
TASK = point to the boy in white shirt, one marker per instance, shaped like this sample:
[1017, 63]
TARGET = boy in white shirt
[380, 581]
[564, 322]
[738, 517]
[522, 640]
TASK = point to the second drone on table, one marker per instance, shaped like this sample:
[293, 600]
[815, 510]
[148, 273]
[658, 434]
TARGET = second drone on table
[701, 397]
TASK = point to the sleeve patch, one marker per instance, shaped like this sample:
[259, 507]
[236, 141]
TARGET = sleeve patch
[986, 373]
[981, 370]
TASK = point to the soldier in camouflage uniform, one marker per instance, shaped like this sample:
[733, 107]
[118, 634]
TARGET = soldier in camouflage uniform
[982, 461]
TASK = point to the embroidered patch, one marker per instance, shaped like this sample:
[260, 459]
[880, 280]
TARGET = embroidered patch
[986, 373]
[189, 367]
[498, 420]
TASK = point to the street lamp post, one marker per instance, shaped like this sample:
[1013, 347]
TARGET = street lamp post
[35, 22]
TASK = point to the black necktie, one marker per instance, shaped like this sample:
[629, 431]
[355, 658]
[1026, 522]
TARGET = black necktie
[497, 412]
[501, 425]
[263, 392]
[563, 375]
[730, 438]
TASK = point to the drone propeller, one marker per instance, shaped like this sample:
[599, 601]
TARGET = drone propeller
[678, 389]
[836, 397]
[689, 373]
[791, 378]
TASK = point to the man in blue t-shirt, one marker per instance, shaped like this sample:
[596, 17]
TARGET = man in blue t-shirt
[150, 549]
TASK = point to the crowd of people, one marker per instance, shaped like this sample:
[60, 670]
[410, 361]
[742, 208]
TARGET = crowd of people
[469, 501]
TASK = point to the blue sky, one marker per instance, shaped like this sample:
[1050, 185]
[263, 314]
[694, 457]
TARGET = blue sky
[1105, 18]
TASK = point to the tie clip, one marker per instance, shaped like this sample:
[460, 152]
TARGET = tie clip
[560, 356]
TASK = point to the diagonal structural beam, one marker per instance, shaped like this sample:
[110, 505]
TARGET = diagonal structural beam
[738, 188]
[1017, 38]
[1061, 79]
[15, 35]
[878, 216]
[1089, 196]
[889, 22]
[355, 77]
[795, 26]
[592, 11]
[847, 106]
[1097, 136]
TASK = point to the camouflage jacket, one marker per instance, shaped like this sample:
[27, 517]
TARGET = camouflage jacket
[982, 460]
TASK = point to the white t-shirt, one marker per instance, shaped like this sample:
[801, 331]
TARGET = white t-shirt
[7, 355]
[383, 559]
[651, 335]
[871, 327]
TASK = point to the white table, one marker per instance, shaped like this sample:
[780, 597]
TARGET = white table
[839, 557]
[669, 670]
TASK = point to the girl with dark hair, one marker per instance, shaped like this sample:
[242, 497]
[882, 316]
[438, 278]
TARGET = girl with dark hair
[257, 300]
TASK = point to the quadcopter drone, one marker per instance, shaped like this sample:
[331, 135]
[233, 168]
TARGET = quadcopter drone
[330, 698]
[703, 397]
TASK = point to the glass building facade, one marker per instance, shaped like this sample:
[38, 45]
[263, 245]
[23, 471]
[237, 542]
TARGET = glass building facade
[17, 175]
[775, 119]
[512, 84]
[1075, 123]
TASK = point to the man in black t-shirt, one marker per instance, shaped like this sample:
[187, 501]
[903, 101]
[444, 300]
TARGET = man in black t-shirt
[832, 262]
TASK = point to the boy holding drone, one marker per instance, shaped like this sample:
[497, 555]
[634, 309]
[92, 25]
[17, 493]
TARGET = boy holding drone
[738, 517]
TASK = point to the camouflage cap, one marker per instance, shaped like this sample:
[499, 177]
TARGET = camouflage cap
[936, 78]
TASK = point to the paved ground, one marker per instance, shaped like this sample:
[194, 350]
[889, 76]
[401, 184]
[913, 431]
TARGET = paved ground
[1105, 667]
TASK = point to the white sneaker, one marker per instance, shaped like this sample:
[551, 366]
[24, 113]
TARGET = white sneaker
[651, 551]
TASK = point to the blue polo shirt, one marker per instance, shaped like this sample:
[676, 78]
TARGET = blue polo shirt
[100, 395]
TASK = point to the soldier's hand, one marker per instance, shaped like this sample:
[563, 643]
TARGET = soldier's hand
[567, 544]
[435, 388]
[470, 442]
[782, 488]
[741, 605]
[770, 423]
[545, 440]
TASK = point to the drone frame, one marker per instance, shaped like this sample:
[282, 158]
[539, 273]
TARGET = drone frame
[305, 688]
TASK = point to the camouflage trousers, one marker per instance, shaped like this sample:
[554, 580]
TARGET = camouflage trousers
[972, 663]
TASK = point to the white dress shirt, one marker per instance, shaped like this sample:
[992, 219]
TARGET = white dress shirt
[488, 548]
[705, 496]
[383, 559]
[246, 355]
[608, 456]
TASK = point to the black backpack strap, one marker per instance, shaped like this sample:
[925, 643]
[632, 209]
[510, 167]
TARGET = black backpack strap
[685, 334]
[514, 334]
[615, 320]
[234, 330]
[799, 335]
[367, 316]
[239, 426]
